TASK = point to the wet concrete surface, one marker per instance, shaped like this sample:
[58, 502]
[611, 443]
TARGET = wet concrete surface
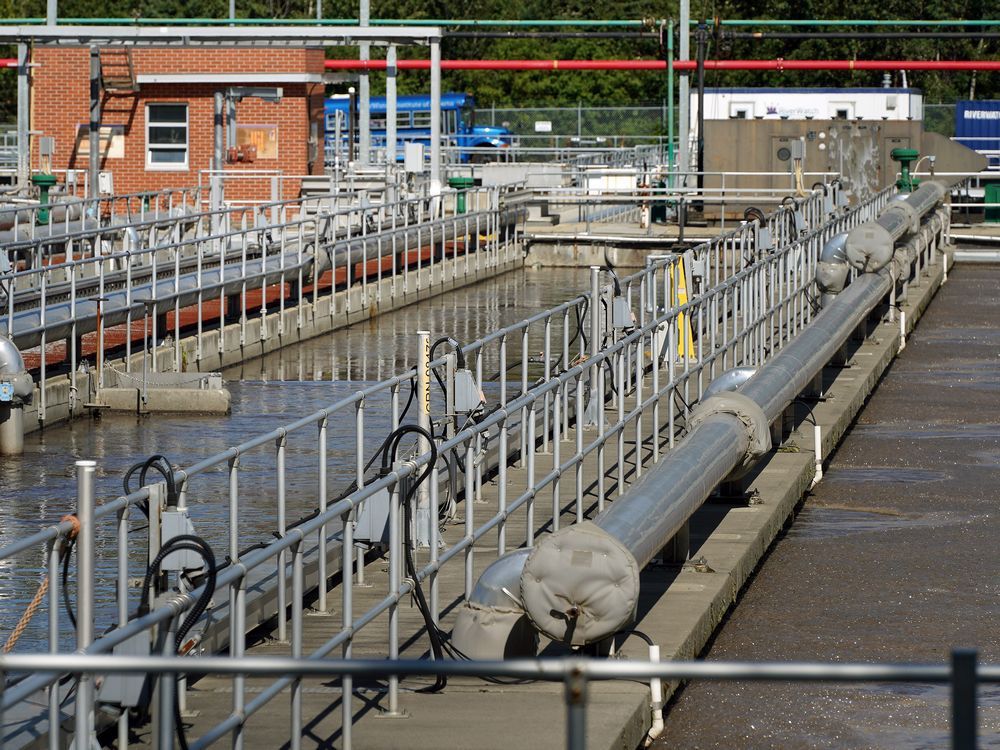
[893, 557]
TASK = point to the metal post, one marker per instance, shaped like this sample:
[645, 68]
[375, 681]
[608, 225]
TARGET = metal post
[702, 45]
[576, 709]
[390, 106]
[94, 158]
[23, 116]
[85, 473]
[422, 517]
[215, 189]
[232, 10]
[963, 699]
[52, 12]
[435, 187]
[364, 85]
[684, 108]
[595, 344]
[670, 102]
[319, 10]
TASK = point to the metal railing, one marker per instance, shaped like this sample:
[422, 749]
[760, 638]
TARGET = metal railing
[753, 296]
[579, 677]
[159, 266]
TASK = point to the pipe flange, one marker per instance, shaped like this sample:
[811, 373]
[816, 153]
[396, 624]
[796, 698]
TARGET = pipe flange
[908, 211]
[749, 413]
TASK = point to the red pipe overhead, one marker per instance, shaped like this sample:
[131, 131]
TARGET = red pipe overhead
[8, 62]
[679, 65]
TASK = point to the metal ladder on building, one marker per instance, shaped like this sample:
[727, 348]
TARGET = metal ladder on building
[118, 70]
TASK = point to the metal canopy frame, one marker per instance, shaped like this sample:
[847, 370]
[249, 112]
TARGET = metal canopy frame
[166, 35]
[276, 35]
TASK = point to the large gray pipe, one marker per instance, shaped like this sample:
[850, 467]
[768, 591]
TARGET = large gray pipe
[16, 387]
[581, 584]
[869, 246]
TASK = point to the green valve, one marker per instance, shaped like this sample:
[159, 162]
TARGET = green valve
[44, 183]
[905, 157]
[461, 184]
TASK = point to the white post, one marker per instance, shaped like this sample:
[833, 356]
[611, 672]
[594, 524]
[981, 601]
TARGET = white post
[364, 116]
[422, 532]
[23, 117]
[435, 117]
[390, 105]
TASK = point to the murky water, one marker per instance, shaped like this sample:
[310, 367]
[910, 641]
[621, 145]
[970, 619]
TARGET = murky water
[39, 487]
[892, 559]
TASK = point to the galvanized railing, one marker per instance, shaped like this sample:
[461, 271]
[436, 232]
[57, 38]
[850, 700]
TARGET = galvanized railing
[754, 296]
[192, 260]
[580, 676]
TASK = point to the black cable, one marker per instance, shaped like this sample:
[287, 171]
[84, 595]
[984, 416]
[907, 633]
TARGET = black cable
[67, 605]
[160, 464]
[178, 543]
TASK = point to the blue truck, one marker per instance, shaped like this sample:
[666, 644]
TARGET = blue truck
[475, 143]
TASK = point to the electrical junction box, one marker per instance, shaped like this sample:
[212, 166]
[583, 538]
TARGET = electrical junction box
[175, 523]
[468, 395]
[372, 524]
[413, 157]
[106, 183]
[126, 689]
[621, 314]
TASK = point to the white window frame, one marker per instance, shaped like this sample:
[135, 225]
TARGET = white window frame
[150, 148]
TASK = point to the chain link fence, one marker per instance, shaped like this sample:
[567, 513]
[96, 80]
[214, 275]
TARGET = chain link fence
[628, 126]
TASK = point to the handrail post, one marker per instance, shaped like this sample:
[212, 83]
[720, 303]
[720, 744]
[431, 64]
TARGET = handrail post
[85, 472]
[576, 708]
[963, 699]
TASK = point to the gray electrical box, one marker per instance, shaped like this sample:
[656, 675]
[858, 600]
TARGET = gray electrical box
[176, 523]
[372, 524]
[468, 395]
[126, 689]
[621, 314]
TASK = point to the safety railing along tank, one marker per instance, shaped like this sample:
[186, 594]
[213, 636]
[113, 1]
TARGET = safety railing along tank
[962, 676]
[68, 215]
[227, 263]
[741, 320]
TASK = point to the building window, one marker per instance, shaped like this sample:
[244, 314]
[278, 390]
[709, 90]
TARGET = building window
[167, 137]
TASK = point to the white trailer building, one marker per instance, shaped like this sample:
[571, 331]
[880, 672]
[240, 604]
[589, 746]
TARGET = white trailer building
[809, 104]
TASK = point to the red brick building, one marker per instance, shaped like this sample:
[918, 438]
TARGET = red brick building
[157, 122]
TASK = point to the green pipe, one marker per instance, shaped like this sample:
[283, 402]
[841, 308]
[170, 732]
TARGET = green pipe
[546, 23]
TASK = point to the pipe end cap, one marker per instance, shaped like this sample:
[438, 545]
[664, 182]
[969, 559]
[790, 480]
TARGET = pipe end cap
[580, 585]
[869, 247]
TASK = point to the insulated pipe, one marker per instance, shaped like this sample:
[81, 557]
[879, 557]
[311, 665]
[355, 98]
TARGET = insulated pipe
[832, 268]
[870, 246]
[679, 65]
[581, 584]
[13, 377]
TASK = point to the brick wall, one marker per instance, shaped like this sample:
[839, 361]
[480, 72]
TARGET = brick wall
[61, 102]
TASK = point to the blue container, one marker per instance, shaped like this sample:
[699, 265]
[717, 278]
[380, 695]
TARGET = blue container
[977, 126]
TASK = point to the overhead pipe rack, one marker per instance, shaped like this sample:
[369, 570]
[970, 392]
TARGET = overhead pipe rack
[778, 64]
